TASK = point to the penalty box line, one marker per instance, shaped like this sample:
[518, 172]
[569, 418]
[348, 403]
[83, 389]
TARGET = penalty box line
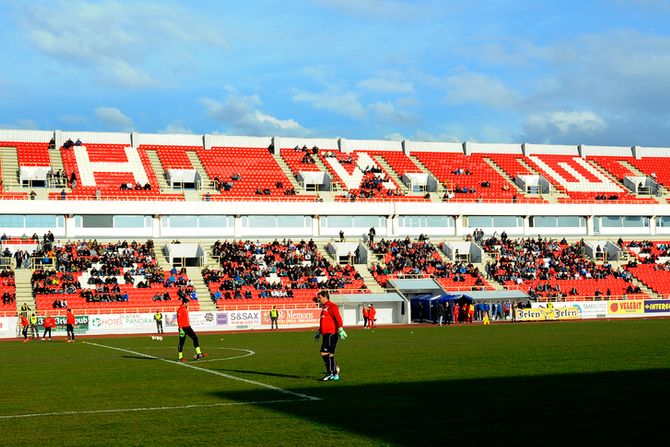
[210, 371]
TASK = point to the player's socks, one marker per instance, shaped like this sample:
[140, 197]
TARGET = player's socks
[326, 361]
[198, 351]
[181, 355]
[332, 364]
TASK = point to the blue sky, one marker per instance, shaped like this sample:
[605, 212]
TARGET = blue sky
[563, 72]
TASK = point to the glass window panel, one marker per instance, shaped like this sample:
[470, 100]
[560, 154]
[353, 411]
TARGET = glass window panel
[213, 221]
[610, 221]
[480, 221]
[128, 221]
[97, 221]
[338, 222]
[11, 221]
[262, 221]
[290, 221]
[42, 221]
[183, 221]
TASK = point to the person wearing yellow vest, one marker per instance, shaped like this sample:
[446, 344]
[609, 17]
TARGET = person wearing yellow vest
[33, 326]
[158, 317]
[274, 316]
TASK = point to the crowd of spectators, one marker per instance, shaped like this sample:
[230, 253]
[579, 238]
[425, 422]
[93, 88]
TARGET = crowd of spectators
[261, 270]
[127, 186]
[8, 285]
[545, 262]
[404, 257]
[112, 271]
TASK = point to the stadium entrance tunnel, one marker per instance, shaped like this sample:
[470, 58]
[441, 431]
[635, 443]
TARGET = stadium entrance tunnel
[618, 407]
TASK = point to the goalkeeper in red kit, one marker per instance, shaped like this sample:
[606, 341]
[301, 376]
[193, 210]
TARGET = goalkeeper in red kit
[330, 329]
[185, 329]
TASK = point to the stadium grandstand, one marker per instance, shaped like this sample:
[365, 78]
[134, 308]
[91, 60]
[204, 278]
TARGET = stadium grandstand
[110, 222]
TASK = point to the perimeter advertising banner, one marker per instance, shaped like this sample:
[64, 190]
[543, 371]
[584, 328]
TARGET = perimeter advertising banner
[657, 306]
[587, 309]
[616, 308]
[294, 317]
[547, 314]
[121, 323]
[239, 319]
[8, 327]
[81, 325]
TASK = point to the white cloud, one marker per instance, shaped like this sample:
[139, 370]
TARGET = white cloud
[130, 46]
[334, 99]
[240, 114]
[276, 122]
[565, 122]
[387, 112]
[396, 136]
[480, 89]
[176, 127]
[113, 117]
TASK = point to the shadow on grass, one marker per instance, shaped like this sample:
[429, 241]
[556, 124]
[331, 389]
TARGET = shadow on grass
[264, 373]
[620, 407]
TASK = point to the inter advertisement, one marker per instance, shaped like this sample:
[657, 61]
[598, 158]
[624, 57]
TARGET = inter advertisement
[656, 306]
[294, 317]
[550, 314]
[629, 307]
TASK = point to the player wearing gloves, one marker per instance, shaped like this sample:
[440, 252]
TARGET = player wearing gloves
[185, 329]
[330, 327]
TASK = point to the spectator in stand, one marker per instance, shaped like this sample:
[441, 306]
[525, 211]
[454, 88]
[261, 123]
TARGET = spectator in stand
[371, 235]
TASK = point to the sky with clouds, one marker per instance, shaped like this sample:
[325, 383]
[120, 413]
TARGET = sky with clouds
[510, 71]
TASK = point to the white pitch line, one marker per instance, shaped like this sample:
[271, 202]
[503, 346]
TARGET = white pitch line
[209, 371]
[249, 353]
[126, 410]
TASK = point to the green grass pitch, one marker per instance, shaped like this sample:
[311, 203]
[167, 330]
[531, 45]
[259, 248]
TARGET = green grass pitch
[583, 383]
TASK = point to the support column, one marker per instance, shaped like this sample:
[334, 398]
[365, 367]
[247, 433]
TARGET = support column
[69, 227]
[589, 225]
[459, 226]
[526, 226]
[316, 226]
[238, 226]
[156, 226]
